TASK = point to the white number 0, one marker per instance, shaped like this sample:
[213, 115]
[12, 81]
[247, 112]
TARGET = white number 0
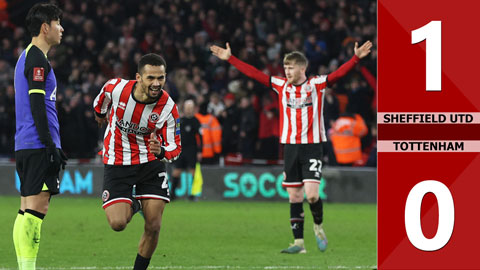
[446, 215]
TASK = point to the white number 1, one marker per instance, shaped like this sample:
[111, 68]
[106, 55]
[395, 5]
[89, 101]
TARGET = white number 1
[432, 33]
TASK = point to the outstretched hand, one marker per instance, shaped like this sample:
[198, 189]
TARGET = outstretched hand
[220, 52]
[364, 50]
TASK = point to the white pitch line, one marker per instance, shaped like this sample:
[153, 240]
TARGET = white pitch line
[201, 267]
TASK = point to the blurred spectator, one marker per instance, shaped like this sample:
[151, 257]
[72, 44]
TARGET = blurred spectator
[211, 135]
[345, 135]
[105, 39]
[73, 126]
[7, 121]
[91, 128]
[248, 128]
[331, 109]
[230, 119]
[360, 99]
[315, 51]
[6, 74]
[372, 156]
[268, 130]
[215, 106]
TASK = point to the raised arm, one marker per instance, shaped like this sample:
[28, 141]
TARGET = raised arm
[360, 53]
[102, 102]
[250, 71]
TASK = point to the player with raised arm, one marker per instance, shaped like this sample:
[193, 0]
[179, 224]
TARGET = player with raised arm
[38, 153]
[143, 130]
[301, 131]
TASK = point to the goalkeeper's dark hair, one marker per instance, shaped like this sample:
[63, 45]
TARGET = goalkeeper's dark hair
[39, 14]
[150, 59]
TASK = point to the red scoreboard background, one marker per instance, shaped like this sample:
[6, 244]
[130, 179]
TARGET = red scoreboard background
[402, 89]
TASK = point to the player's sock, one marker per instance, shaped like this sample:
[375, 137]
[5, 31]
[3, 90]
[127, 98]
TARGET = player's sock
[141, 263]
[298, 242]
[317, 211]
[16, 235]
[296, 219]
[30, 238]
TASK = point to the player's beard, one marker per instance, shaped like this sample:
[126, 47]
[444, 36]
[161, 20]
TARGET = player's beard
[291, 80]
[152, 94]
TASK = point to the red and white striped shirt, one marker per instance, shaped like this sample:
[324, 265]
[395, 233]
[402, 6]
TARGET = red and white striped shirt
[301, 106]
[131, 122]
[301, 110]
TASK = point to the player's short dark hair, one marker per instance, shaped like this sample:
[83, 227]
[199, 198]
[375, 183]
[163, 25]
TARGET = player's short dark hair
[39, 14]
[295, 57]
[150, 59]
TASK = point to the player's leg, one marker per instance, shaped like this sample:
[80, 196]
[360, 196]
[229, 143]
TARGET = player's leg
[119, 215]
[313, 198]
[19, 219]
[312, 173]
[38, 184]
[152, 210]
[16, 230]
[295, 194]
[117, 197]
[316, 207]
[36, 207]
[152, 190]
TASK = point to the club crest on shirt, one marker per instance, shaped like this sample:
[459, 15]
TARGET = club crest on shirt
[105, 195]
[308, 88]
[154, 117]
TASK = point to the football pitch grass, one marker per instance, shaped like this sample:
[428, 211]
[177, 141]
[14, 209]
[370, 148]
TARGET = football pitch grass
[196, 235]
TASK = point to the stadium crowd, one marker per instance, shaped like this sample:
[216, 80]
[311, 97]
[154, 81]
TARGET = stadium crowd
[104, 39]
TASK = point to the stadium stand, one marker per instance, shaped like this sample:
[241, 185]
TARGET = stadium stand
[104, 39]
